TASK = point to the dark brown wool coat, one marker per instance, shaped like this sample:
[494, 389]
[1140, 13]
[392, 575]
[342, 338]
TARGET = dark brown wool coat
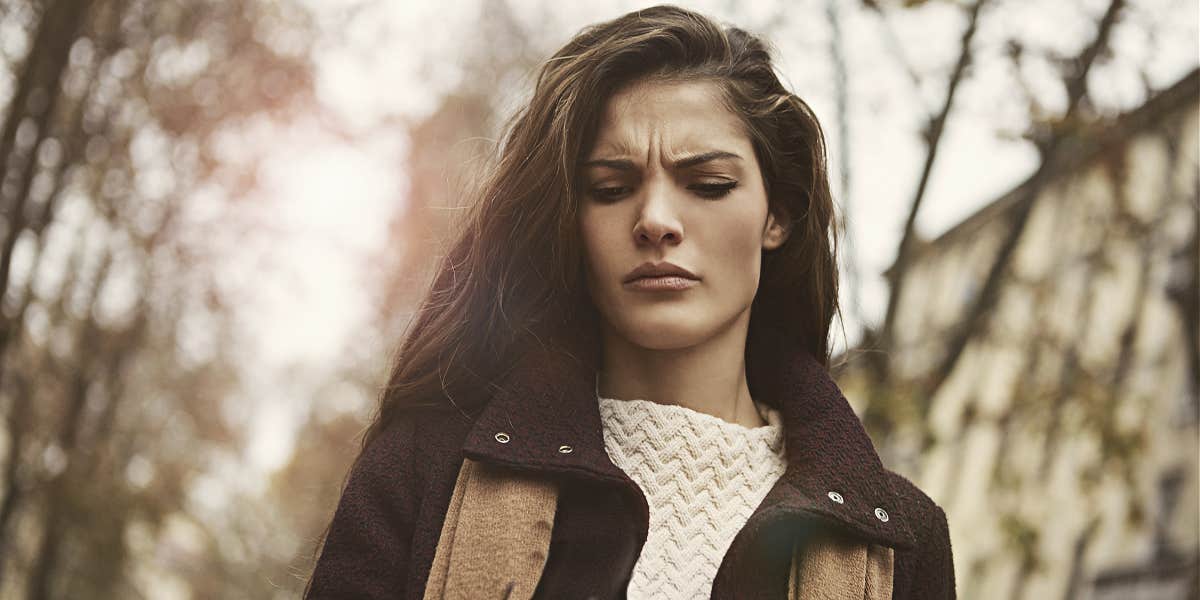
[383, 535]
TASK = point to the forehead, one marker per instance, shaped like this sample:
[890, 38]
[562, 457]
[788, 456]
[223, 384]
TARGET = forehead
[675, 118]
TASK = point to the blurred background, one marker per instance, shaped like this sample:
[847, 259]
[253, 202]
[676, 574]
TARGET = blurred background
[218, 217]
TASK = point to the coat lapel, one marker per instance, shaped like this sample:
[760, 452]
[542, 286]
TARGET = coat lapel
[544, 418]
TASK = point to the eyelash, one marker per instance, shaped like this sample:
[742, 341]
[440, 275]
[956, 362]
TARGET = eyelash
[704, 190]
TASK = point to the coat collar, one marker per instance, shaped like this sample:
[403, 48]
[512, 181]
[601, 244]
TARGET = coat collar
[548, 401]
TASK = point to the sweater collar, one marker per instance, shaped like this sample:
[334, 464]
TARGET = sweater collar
[545, 418]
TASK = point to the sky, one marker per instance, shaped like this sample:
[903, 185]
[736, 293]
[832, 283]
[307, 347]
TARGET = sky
[333, 194]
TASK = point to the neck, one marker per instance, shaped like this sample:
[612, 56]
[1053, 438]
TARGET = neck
[709, 377]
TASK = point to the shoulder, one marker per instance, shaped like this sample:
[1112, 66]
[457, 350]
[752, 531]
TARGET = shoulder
[398, 463]
[365, 552]
[391, 448]
[917, 504]
[413, 442]
[927, 570]
[379, 483]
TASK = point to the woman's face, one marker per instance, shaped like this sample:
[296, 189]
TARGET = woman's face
[673, 178]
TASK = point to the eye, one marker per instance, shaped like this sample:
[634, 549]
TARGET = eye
[610, 193]
[713, 190]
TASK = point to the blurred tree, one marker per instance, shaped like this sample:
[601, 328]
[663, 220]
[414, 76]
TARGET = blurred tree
[117, 341]
[324, 448]
[448, 148]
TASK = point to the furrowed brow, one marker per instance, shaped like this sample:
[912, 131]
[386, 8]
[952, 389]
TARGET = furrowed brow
[614, 164]
[623, 164]
[697, 159]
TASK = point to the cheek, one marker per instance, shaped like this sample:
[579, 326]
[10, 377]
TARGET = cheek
[737, 243]
[588, 235]
[598, 246]
[734, 255]
[743, 261]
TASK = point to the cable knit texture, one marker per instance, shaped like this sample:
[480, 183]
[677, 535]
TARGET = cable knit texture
[702, 477]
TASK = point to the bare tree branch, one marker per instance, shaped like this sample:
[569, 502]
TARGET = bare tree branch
[1076, 85]
[896, 49]
[897, 274]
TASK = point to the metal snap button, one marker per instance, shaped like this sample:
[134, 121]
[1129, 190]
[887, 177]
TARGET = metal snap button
[881, 515]
[836, 497]
[502, 437]
[565, 449]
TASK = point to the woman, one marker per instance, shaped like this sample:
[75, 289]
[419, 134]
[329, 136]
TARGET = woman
[636, 318]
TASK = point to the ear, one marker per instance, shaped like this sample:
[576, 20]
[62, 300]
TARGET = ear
[776, 232]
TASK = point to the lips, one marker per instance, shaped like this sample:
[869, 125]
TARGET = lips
[662, 283]
[659, 269]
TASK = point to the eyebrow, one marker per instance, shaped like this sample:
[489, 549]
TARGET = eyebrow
[625, 164]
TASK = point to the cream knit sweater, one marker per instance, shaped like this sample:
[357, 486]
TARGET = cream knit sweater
[702, 477]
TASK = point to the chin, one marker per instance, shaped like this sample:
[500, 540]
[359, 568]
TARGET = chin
[652, 342]
[658, 335]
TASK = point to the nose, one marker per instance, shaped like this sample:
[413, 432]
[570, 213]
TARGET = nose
[658, 223]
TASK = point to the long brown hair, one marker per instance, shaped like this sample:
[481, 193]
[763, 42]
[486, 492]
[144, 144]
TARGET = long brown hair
[514, 275]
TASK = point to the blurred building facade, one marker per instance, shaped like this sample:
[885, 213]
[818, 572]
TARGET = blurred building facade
[1064, 444]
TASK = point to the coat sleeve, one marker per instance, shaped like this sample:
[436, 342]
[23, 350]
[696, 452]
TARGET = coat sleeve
[366, 550]
[941, 559]
[925, 572]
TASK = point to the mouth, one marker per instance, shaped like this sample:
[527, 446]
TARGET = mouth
[661, 283]
[660, 270]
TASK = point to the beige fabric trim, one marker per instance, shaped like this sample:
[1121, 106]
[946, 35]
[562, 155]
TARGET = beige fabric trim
[496, 535]
[794, 573]
[880, 562]
[840, 569]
